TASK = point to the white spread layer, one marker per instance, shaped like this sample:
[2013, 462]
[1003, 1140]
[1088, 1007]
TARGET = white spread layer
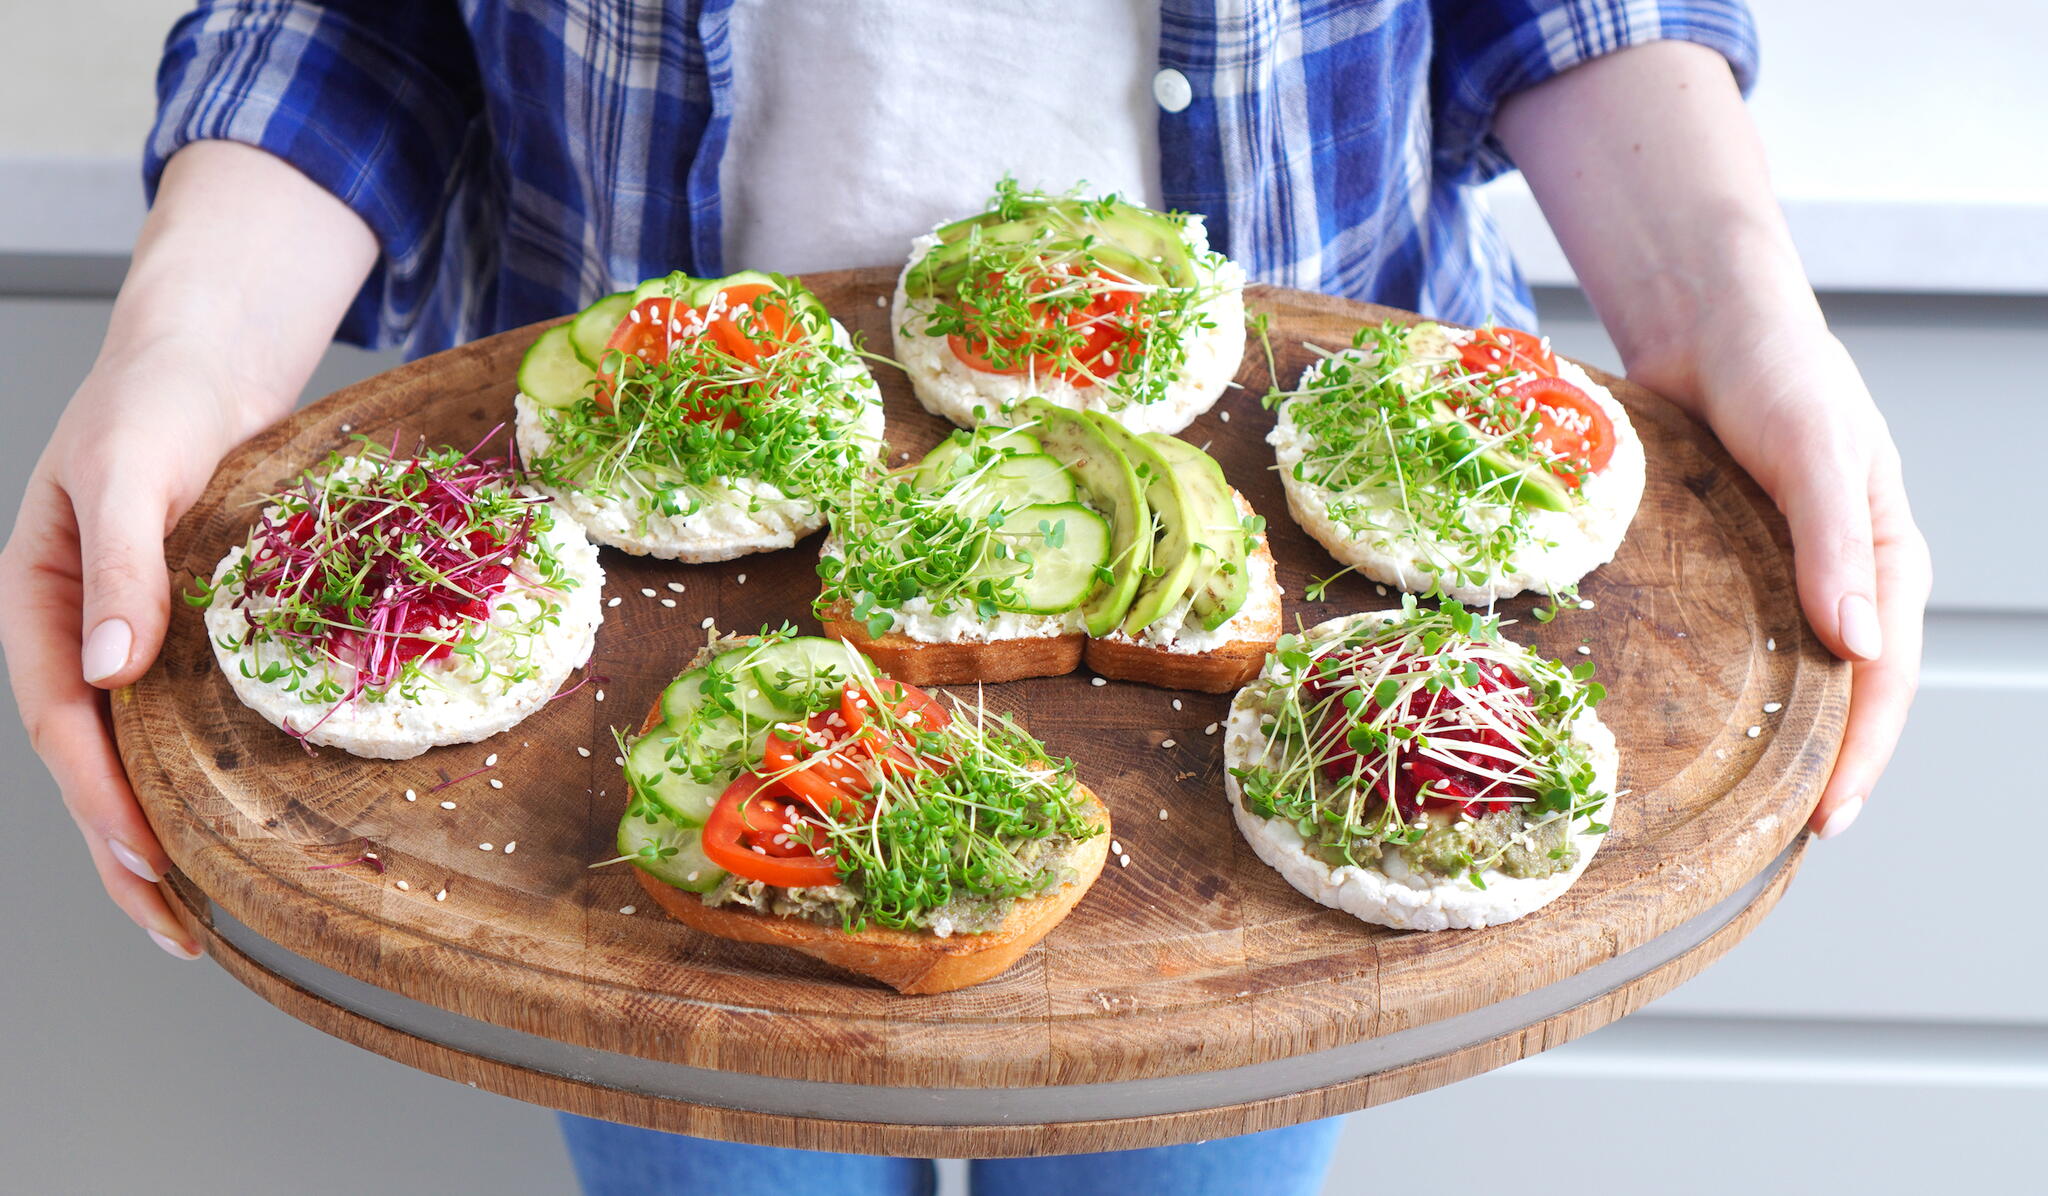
[1563, 546]
[460, 699]
[966, 396]
[1257, 620]
[741, 516]
[1392, 894]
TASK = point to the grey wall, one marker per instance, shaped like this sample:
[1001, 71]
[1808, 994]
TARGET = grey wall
[1883, 1032]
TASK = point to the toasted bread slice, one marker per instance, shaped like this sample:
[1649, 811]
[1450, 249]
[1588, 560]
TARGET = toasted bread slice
[1218, 669]
[960, 663]
[910, 961]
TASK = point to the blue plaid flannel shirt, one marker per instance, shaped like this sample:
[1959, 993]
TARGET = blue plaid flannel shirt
[518, 158]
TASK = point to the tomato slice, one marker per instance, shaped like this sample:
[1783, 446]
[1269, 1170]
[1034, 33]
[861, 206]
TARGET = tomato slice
[1569, 422]
[910, 705]
[1506, 350]
[815, 765]
[747, 326]
[1107, 327]
[744, 835]
[649, 332]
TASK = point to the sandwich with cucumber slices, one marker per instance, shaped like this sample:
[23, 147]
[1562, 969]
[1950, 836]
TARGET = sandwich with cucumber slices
[1027, 549]
[1095, 304]
[698, 419]
[784, 791]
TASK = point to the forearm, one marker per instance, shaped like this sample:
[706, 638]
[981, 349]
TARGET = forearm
[1649, 170]
[247, 266]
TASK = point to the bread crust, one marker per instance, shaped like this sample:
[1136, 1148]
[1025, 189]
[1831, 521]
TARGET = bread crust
[1213, 671]
[913, 962]
[962, 663]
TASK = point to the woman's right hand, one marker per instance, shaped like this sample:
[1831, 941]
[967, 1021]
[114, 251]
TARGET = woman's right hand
[241, 274]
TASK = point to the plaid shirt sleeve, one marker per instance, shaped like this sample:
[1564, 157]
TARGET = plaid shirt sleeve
[372, 101]
[1487, 50]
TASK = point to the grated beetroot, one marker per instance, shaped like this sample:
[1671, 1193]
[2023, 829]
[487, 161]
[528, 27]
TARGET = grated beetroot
[1403, 782]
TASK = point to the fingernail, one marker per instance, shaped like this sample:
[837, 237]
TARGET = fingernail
[106, 649]
[1839, 820]
[172, 946]
[1859, 627]
[132, 860]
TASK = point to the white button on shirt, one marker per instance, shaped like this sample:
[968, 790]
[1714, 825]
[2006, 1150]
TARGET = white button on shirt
[858, 126]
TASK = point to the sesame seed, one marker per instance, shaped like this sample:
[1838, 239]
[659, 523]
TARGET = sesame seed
[1097, 681]
[706, 624]
[447, 805]
[1116, 847]
[1771, 645]
[1224, 416]
[1583, 650]
[742, 579]
[1176, 703]
[491, 760]
[496, 783]
[629, 910]
[1124, 861]
[619, 760]
[486, 847]
[411, 796]
[404, 887]
[646, 592]
[1382, 590]
[348, 428]
[1587, 604]
[1209, 730]
[1162, 814]
[600, 695]
[669, 602]
[1720, 753]
[1773, 707]
[615, 600]
[441, 896]
[675, 587]
[1166, 743]
[511, 847]
[583, 752]
[692, 877]
[1753, 732]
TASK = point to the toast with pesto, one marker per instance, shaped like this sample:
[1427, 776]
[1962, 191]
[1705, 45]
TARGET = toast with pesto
[786, 792]
[1023, 550]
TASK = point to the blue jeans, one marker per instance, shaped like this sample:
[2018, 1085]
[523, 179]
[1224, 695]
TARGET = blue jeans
[619, 1160]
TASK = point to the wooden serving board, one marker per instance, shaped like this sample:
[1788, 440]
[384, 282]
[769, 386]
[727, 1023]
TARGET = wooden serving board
[1194, 959]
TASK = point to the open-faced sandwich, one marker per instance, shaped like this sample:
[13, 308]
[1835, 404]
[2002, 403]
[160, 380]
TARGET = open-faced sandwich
[1477, 463]
[387, 604]
[1413, 768]
[698, 419]
[784, 792]
[1020, 551]
[1095, 304]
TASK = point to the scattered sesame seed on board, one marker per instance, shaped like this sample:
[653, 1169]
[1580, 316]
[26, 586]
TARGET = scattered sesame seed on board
[629, 910]
[491, 761]
[614, 600]
[1586, 604]
[404, 887]
[1583, 650]
[496, 783]
[1097, 681]
[619, 760]
[675, 587]
[411, 795]
[447, 805]
[706, 624]
[1773, 707]
[1720, 753]
[600, 695]
[1209, 730]
[1753, 732]
[442, 895]
[669, 602]
[646, 592]
[1124, 861]
[1163, 815]
[742, 579]
[511, 847]
[1167, 743]
[583, 752]
[1176, 703]
[487, 847]
[1116, 846]
[1771, 645]
[1382, 590]
[1224, 416]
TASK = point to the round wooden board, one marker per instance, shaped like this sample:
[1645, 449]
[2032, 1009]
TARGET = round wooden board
[1195, 958]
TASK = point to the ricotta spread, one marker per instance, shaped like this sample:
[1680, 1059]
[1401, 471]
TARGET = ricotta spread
[946, 386]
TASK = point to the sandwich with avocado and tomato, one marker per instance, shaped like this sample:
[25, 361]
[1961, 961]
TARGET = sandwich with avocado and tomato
[1025, 550]
[785, 792]
[1094, 304]
[1476, 463]
[1417, 769]
[698, 419]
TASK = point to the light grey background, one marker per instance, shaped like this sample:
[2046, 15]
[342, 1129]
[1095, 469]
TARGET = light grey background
[1885, 1031]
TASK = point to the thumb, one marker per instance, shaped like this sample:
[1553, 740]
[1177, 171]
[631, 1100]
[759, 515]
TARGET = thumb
[126, 600]
[1826, 500]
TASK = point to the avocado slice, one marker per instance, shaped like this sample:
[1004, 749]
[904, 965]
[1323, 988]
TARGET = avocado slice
[1173, 561]
[1135, 241]
[1223, 580]
[1109, 481]
[1538, 486]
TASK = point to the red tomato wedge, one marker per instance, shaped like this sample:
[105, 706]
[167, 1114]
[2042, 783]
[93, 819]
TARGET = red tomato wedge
[649, 332]
[818, 766]
[745, 835]
[909, 704]
[1506, 350]
[751, 317]
[1569, 422]
[1106, 324]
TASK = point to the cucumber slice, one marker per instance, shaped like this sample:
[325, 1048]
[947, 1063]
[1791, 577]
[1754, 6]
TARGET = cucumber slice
[668, 851]
[1106, 476]
[1030, 478]
[551, 374]
[1060, 575]
[679, 702]
[800, 674]
[951, 458]
[656, 772]
[680, 287]
[757, 707]
[594, 325]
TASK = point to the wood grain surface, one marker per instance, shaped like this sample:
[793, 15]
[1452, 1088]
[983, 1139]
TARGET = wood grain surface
[1194, 957]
